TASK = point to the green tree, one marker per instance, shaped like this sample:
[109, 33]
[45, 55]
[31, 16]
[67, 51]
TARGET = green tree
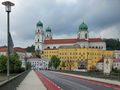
[63, 64]
[55, 61]
[112, 44]
[30, 48]
[50, 64]
[3, 63]
[15, 63]
[28, 66]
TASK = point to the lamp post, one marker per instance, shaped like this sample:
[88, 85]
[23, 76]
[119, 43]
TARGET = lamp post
[8, 5]
[25, 61]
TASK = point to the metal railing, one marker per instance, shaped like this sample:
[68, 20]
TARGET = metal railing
[13, 82]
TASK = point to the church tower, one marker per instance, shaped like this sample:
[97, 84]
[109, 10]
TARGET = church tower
[39, 37]
[83, 31]
[48, 34]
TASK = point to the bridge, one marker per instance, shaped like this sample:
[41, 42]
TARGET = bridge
[51, 80]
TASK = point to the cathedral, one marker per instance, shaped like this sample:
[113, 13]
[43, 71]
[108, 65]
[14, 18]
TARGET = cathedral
[44, 39]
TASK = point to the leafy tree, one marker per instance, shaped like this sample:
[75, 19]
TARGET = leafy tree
[3, 63]
[15, 63]
[50, 64]
[112, 44]
[28, 66]
[30, 48]
[63, 64]
[55, 62]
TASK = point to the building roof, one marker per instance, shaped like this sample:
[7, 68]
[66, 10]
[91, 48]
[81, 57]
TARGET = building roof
[116, 60]
[83, 27]
[48, 29]
[40, 24]
[74, 40]
[16, 49]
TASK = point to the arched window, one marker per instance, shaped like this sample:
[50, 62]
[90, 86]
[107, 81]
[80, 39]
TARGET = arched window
[48, 47]
[86, 35]
[54, 47]
[38, 40]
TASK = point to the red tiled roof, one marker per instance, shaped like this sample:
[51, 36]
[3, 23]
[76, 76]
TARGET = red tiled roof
[95, 40]
[15, 49]
[68, 41]
[116, 60]
[3, 49]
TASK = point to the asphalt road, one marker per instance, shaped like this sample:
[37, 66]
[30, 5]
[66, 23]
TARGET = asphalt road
[71, 83]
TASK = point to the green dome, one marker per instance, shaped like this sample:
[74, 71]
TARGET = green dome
[48, 29]
[83, 27]
[39, 24]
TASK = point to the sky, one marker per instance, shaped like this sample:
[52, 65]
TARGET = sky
[63, 16]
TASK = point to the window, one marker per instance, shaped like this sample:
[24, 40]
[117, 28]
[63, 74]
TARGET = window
[38, 40]
[48, 47]
[54, 47]
[86, 35]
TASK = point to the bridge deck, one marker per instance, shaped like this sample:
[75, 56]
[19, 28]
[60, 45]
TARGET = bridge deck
[31, 82]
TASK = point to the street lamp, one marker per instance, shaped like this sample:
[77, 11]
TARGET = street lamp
[8, 5]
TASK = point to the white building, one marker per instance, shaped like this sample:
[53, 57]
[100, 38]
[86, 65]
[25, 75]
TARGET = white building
[38, 64]
[107, 65]
[44, 40]
[116, 64]
[117, 54]
[100, 65]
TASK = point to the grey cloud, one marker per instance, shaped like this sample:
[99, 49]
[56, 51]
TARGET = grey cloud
[61, 17]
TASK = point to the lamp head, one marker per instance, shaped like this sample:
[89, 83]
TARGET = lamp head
[8, 5]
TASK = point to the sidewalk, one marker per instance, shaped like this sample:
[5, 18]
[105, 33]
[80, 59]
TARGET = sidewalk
[31, 82]
[114, 82]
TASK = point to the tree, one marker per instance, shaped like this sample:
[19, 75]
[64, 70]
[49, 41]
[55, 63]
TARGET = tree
[63, 64]
[50, 64]
[112, 44]
[3, 63]
[30, 48]
[28, 66]
[55, 62]
[15, 63]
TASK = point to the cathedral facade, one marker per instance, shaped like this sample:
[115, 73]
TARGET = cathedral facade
[44, 40]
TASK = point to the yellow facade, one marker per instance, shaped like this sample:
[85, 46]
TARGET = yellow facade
[73, 57]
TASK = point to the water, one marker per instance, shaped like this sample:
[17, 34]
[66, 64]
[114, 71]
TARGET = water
[3, 77]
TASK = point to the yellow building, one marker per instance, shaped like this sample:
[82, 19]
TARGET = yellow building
[77, 58]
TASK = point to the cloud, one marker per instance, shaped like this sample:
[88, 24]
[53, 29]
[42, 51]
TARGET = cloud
[63, 16]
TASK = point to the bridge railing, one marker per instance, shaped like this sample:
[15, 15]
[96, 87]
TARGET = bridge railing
[13, 82]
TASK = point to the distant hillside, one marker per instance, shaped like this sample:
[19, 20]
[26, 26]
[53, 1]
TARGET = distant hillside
[112, 44]
[30, 48]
